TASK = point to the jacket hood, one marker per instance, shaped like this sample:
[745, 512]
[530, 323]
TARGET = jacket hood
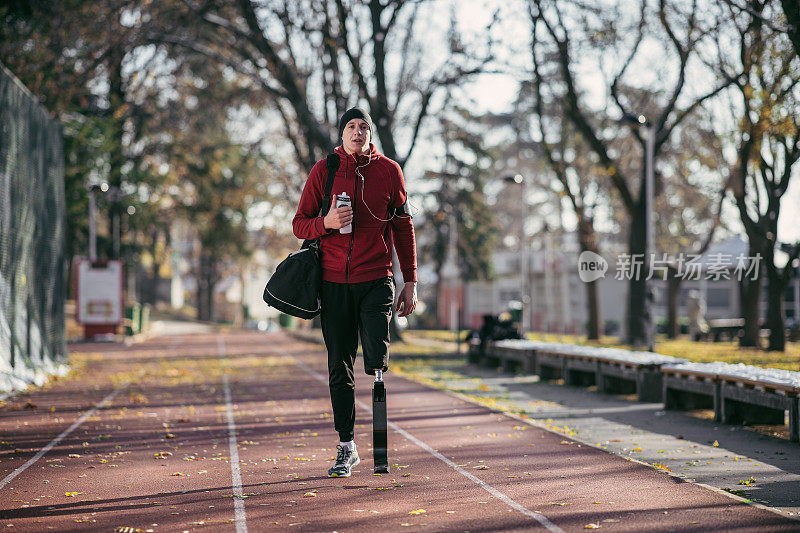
[372, 154]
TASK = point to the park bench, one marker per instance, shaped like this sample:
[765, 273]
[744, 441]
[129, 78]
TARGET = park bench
[513, 355]
[724, 329]
[737, 393]
[611, 370]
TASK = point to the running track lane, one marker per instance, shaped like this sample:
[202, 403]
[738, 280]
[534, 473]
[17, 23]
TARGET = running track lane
[286, 443]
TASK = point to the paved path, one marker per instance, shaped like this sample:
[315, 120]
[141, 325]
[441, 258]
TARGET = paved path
[734, 458]
[232, 432]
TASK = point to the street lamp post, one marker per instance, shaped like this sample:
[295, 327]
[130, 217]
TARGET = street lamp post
[523, 255]
[649, 233]
[93, 222]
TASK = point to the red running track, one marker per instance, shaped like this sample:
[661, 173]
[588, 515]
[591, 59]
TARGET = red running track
[232, 432]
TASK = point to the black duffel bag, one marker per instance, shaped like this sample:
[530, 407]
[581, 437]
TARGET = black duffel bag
[294, 288]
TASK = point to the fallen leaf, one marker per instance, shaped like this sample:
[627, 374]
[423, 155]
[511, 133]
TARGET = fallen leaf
[715, 444]
[591, 526]
[310, 495]
[178, 474]
[418, 511]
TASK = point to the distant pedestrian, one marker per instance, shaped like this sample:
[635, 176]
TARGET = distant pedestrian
[358, 286]
[696, 309]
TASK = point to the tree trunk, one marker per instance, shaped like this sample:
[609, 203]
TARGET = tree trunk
[775, 309]
[150, 293]
[205, 288]
[638, 312]
[593, 330]
[673, 298]
[116, 97]
[792, 11]
[751, 296]
[586, 236]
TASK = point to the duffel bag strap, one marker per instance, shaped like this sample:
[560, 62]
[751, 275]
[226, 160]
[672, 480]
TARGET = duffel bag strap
[332, 164]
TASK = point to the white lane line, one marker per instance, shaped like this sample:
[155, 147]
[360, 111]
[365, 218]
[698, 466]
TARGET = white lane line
[63, 434]
[485, 486]
[240, 516]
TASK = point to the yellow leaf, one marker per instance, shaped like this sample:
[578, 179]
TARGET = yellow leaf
[178, 474]
[72, 494]
[418, 511]
[716, 444]
[591, 526]
[310, 495]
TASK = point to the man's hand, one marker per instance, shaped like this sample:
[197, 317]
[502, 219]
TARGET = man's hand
[337, 218]
[407, 301]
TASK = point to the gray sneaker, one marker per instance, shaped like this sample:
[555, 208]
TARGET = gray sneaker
[346, 459]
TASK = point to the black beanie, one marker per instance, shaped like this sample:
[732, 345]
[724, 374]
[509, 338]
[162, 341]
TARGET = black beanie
[350, 114]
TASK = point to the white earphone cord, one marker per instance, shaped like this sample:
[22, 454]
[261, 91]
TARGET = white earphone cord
[360, 175]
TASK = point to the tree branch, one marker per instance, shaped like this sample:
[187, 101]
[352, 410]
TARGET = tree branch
[574, 112]
[618, 77]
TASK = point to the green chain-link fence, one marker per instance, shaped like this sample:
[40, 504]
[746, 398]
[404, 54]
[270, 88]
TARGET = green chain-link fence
[32, 239]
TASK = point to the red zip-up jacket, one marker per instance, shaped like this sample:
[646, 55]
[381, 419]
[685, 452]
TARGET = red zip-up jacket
[365, 254]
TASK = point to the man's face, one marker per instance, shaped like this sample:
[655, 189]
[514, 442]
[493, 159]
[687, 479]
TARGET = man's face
[356, 136]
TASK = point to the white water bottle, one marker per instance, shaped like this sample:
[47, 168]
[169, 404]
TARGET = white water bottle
[342, 200]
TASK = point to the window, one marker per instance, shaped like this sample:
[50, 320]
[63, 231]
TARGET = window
[718, 298]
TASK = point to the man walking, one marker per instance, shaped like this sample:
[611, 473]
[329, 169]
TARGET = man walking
[357, 283]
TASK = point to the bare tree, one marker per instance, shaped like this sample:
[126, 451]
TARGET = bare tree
[690, 204]
[315, 59]
[790, 25]
[668, 105]
[567, 156]
[767, 144]
[460, 215]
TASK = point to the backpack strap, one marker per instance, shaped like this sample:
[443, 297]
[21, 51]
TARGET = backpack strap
[332, 164]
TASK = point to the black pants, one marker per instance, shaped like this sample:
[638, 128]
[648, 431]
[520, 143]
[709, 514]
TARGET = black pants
[350, 310]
